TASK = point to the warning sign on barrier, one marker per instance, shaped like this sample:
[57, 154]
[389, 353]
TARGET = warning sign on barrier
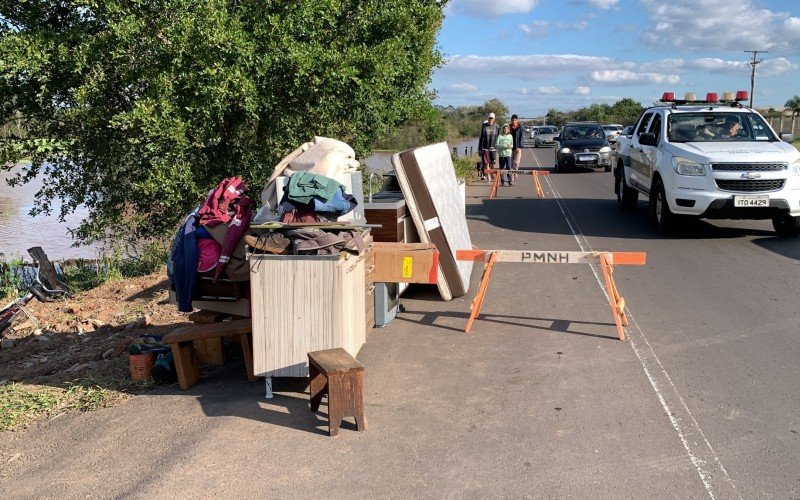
[607, 261]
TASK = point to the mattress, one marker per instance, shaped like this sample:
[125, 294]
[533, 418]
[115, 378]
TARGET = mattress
[428, 181]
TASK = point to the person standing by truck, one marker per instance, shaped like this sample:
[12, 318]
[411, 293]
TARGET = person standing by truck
[516, 152]
[505, 144]
[487, 144]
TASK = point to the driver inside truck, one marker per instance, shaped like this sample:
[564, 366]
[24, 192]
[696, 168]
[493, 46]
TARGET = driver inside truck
[731, 127]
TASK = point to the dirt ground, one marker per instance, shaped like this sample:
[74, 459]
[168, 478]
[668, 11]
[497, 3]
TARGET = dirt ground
[88, 335]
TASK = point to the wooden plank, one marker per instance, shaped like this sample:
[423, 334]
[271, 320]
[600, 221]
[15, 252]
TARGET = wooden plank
[206, 317]
[336, 360]
[553, 256]
[197, 332]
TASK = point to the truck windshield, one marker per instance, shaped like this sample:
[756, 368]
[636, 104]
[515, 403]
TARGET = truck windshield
[712, 126]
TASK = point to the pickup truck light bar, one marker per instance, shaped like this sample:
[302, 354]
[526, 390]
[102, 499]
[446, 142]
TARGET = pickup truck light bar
[711, 98]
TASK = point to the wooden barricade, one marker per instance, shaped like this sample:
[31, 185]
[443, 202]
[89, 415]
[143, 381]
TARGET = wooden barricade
[607, 261]
[535, 174]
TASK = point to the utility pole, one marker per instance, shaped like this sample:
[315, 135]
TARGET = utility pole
[753, 65]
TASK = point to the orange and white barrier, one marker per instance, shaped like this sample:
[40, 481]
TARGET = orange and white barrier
[607, 261]
[535, 174]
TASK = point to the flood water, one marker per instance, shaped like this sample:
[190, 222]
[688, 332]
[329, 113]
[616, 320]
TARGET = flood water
[19, 231]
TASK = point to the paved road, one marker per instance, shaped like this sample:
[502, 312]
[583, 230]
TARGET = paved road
[540, 401]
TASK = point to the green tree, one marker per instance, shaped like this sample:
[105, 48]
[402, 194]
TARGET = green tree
[626, 111]
[794, 105]
[135, 109]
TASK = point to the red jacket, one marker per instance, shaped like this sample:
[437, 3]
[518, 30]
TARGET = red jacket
[228, 204]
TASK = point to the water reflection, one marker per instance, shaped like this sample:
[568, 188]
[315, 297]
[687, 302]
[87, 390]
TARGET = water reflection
[19, 231]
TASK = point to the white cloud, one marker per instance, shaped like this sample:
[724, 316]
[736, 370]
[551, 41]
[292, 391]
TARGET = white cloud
[495, 8]
[525, 67]
[711, 25]
[463, 87]
[536, 29]
[626, 77]
[597, 4]
[582, 91]
[769, 67]
[551, 90]
[579, 26]
[603, 4]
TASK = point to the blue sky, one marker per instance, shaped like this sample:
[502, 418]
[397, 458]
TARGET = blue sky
[566, 54]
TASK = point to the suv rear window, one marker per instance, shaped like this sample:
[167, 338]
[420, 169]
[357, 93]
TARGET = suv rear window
[548, 130]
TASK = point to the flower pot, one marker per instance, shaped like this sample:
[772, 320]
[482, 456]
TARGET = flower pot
[141, 365]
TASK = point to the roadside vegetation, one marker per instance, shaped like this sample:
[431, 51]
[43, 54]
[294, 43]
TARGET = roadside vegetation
[22, 404]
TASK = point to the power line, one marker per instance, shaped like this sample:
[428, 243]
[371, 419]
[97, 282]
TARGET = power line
[755, 62]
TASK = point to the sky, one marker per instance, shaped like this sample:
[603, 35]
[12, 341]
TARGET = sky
[566, 54]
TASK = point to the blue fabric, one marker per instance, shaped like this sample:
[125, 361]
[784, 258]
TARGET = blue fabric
[202, 232]
[339, 204]
[184, 262]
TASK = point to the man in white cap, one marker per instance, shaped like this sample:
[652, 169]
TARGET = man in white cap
[487, 144]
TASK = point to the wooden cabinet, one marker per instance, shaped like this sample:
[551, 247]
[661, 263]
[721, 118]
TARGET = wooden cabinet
[302, 304]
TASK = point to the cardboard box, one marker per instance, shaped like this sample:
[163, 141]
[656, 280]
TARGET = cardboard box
[406, 263]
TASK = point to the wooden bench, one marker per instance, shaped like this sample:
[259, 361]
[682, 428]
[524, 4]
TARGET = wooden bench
[336, 373]
[182, 341]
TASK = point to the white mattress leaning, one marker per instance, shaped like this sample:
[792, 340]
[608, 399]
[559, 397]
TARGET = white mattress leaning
[427, 179]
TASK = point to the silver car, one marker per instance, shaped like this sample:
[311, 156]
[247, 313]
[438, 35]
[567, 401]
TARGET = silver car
[545, 136]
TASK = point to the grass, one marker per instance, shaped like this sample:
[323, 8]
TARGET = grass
[796, 143]
[21, 404]
[10, 278]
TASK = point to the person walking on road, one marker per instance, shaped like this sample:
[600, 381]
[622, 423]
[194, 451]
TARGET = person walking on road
[487, 144]
[516, 134]
[505, 145]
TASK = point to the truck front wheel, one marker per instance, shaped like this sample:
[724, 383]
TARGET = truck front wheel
[627, 197]
[663, 218]
[786, 225]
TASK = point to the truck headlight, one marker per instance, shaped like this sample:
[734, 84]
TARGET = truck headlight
[605, 149]
[794, 168]
[565, 151]
[684, 166]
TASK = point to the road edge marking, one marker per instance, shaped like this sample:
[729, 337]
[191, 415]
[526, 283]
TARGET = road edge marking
[701, 453]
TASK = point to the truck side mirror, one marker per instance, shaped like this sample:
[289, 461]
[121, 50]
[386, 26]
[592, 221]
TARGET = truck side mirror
[787, 137]
[647, 139]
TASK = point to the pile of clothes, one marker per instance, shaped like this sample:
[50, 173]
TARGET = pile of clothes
[309, 199]
[210, 241]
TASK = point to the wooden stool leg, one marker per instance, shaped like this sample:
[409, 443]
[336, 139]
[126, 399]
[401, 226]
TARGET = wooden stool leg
[186, 365]
[316, 386]
[358, 395]
[337, 396]
[247, 353]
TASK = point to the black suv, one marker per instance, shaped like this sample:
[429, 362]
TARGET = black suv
[582, 144]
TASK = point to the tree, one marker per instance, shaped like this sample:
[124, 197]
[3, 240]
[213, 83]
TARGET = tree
[135, 109]
[793, 104]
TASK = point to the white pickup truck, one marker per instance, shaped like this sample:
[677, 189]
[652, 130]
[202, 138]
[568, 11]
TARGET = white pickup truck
[708, 159]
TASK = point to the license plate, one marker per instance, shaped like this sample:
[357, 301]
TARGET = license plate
[585, 158]
[751, 201]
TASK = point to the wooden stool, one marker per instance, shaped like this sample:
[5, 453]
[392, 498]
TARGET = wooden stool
[336, 373]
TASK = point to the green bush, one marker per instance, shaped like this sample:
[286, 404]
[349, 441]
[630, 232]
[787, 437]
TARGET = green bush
[465, 167]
